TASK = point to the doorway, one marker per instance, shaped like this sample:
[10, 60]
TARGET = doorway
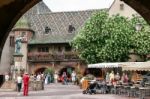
[68, 71]
[1, 80]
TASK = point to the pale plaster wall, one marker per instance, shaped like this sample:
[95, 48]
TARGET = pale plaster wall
[115, 9]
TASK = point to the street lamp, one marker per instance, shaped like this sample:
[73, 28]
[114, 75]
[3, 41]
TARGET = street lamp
[138, 26]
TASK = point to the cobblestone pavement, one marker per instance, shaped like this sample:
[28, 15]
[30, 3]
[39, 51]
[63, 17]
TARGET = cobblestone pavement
[59, 91]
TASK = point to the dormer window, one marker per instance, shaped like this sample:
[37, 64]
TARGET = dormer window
[122, 6]
[23, 34]
[71, 28]
[47, 30]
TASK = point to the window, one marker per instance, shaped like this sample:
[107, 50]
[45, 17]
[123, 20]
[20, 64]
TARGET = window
[122, 6]
[47, 30]
[43, 49]
[71, 28]
[59, 49]
[68, 48]
[12, 41]
[23, 34]
[29, 50]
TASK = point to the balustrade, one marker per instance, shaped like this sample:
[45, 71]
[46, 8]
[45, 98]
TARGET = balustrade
[52, 57]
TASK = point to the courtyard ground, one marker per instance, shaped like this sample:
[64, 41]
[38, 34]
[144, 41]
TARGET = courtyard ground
[59, 91]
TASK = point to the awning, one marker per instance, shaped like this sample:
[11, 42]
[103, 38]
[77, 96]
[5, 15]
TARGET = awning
[104, 65]
[126, 66]
[136, 66]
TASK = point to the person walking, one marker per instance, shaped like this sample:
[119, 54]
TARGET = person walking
[26, 84]
[19, 83]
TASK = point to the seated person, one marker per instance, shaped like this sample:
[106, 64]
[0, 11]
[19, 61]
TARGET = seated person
[143, 83]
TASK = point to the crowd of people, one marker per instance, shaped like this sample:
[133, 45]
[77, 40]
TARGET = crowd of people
[22, 81]
[65, 79]
[116, 78]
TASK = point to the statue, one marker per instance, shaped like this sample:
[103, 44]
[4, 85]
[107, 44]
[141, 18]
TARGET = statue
[18, 44]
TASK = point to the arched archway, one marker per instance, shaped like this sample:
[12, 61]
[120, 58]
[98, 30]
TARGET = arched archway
[67, 69]
[40, 70]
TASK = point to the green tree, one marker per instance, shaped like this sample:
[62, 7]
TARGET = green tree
[108, 39]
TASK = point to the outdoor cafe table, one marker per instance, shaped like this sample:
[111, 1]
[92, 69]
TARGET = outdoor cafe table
[117, 88]
[109, 87]
[144, 91]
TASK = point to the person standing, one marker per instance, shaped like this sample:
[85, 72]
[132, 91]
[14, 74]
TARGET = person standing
[26, 84]
[107, 77]
[64, 78]
[38, 77]
[46, 79]
[42, 79]
[19, 83]
[73, 76]
[117, 78]
[6, 77]
[56, 77]
[111, 76]
[124, 78]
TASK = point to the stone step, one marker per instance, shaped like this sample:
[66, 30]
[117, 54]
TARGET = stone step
[6, 90]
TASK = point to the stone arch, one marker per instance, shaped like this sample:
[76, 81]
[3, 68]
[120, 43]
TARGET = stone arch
[141, 6]
[66, 69]
[39, 69]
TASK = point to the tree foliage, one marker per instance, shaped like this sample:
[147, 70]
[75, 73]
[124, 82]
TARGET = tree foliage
[141, 39]
[109, 39]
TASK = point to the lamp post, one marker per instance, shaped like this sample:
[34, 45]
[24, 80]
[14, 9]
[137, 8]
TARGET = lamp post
[138, 27]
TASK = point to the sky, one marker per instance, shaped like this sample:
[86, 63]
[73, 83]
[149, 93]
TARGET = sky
[77, 5]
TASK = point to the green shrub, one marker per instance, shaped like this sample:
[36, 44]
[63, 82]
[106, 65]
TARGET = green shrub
[49, 71]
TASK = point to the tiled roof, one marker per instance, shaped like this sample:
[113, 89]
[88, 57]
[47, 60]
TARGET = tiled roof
[58, 23]
[59, 38]
[39, 8]
[22, 23]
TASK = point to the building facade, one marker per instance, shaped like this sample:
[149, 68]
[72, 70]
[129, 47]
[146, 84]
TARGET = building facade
[46, 38]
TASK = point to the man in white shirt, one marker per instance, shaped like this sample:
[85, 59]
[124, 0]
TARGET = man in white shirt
[19, 83]
[38, 77]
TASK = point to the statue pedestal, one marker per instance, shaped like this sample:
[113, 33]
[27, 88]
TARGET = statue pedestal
[8, 86]
[18, 61]
[18, 57]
